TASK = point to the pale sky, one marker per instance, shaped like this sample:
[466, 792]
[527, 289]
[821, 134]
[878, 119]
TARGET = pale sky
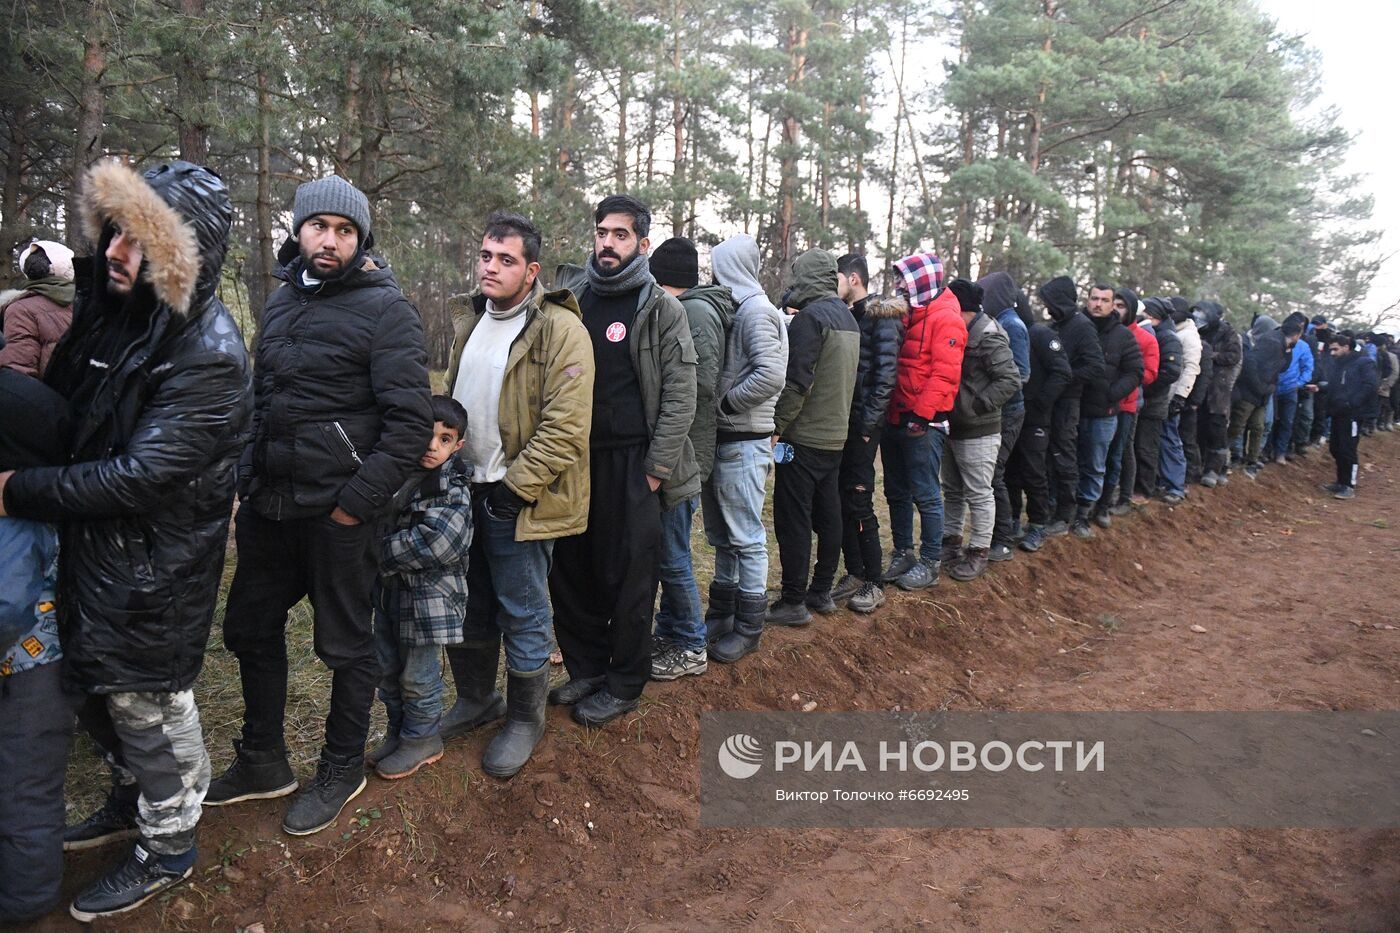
[1356, 39]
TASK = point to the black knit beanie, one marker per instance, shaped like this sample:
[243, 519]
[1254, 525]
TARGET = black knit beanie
[969, 295]
[676, 263]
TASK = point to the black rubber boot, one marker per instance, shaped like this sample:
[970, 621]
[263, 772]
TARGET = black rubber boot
[254, 775]
[474, 672]
[719, 614]
[513, 745]
[749, 614]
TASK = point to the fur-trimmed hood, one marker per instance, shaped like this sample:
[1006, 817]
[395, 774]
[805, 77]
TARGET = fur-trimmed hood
[179, 212]
[878, 306]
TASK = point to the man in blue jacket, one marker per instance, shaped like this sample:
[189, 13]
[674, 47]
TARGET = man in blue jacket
[1290, 383]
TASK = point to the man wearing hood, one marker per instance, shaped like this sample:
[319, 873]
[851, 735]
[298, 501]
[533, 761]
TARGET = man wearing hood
[1050, 374]
[927, 375]
[158, 377]
[999, 299]
[641, 463]
[1320, 331]
[37, 316]
[1171, 463]
[1227, 354]
[709, 310]
[1098, 421]
[881, 329]
[1266, 356]
[989, 379]
[341, 419]
[1291, 381]
[755, 367]
[1081, 342]
[1121, 472]
[813, 414]
[522, 367]
[1156, 398]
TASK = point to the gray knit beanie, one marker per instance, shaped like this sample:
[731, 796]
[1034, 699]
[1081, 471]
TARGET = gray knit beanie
[331, 195]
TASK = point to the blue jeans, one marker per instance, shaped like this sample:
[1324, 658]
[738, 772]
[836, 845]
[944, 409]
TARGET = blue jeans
[732, 510]
[1171, 462]
[410, 684]
[680, 618]
[912, 465]
[508, 591]
[1095, 437]
[1122, 443]
[1286, 410]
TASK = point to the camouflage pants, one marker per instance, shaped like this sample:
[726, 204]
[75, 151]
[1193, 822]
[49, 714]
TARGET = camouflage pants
[153, 740]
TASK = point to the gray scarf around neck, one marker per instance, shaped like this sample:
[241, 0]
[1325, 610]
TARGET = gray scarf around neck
[629, 278]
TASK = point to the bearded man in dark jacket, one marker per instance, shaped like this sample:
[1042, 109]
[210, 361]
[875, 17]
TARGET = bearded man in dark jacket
[1098, 413]
[157, 372]
[342, 417]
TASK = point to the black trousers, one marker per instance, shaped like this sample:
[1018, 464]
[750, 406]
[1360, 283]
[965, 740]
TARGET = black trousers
[1011, 422]
[36, 730]
[1148, 444]
[807, 498]
[334, 565]
[860, 529]
[1212, 433]
[603, 583]
[1343, 442]
[1025, 475]
[1187, 426]
[1064, 456]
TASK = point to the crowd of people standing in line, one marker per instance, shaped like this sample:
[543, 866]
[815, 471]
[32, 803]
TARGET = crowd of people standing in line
[548, 495]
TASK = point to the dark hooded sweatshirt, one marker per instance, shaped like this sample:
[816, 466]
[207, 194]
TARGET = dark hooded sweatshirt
[1123, 369]
[1078, 335]
[1050, 369]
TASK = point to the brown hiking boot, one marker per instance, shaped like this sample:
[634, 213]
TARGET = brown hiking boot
[970, 566]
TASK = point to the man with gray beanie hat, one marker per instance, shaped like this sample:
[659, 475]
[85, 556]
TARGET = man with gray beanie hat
[341, 418]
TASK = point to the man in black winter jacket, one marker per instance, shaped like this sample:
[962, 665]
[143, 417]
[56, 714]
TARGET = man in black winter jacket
[1098, 413]
[1267, 353]
[157, 375]
[1085, 353]
[341, 419]
[1051, 373]
[1353, 382]
[881, 331]
[1227, 353]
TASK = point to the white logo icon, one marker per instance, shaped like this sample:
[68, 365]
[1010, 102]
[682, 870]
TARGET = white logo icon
[740, 756]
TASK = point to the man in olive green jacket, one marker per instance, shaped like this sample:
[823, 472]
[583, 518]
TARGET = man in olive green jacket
[813, 416]
[603, 584]
[522, 367]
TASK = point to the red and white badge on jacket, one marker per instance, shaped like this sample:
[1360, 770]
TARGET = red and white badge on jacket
[616, 331]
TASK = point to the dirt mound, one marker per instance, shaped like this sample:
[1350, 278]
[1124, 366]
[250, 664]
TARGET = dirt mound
[601, 829]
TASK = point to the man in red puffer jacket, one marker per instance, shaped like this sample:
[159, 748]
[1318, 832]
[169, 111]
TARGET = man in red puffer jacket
[927, 375]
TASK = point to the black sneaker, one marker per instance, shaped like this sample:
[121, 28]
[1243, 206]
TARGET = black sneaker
[141, 877]
[900, 562]
[1331, 488]
[575, 690]
[1034, 539]
[114, 820]
[601, 707]
[783, 612]
[821, 601]
[338, 781]
[1346, 492]
[254, 775]
[1000, 552]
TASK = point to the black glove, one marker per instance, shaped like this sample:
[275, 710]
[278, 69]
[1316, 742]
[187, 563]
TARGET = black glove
[503, 504]
[1175, 406]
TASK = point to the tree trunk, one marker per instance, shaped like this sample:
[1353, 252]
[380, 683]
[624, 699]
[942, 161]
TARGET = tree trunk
[265, 281]
[372, 115]
[87, 147]
[791, 139]
[1037, 118]
[620, 168]
[677, 129]
[191, 95]
[12, 230]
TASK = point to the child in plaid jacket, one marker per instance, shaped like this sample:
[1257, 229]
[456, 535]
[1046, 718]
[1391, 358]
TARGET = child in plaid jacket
[421, 597]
